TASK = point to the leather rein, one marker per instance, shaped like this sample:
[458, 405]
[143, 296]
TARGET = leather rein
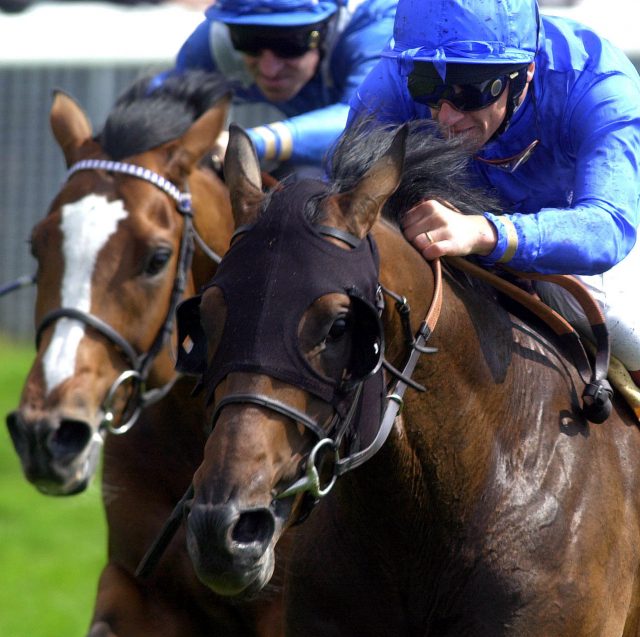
[140, 363]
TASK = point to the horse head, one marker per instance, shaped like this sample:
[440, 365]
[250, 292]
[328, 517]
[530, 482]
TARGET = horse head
[288, 338]
[114, 256]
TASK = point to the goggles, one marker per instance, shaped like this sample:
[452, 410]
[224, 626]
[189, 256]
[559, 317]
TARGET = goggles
[432, 91]
[284, 42]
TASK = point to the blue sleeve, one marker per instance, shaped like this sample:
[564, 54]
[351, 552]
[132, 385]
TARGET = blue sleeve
[313, 133]
[195, 53]
[356, 52]
[359, 47]
[599, 228]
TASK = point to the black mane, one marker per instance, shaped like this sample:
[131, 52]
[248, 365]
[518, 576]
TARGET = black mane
[434, 167]
[142, 119]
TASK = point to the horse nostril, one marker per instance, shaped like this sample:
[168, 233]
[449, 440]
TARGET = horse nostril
[254, 526]
[70, 438]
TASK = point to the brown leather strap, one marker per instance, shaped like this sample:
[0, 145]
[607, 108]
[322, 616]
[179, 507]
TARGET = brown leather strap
[594, 378]
[268, 181]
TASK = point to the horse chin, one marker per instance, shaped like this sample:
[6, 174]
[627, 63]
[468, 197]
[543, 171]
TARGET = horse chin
[242, 584]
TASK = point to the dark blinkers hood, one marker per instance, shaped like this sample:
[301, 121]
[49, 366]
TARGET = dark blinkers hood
[269, 277]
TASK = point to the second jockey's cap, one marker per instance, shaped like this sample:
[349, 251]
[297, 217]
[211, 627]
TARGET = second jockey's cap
[272, 13]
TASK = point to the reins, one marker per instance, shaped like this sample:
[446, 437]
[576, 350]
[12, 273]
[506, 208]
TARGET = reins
[23, 281]
[597, 393]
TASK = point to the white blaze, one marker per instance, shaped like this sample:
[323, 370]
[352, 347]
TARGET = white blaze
[86, 226]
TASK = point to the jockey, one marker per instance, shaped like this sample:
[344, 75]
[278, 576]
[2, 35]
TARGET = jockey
[552, 111]
[296, 62]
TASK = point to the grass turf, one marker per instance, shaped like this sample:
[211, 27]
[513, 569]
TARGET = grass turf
[51, 549]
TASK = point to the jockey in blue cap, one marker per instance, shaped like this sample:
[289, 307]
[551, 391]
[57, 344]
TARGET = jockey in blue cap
[297, 63]
[553, 113]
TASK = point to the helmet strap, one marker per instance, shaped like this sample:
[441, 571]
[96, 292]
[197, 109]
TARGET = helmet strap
[515, 90]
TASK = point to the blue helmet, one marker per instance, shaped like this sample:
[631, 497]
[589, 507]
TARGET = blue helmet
[274, 13]
[465, 32]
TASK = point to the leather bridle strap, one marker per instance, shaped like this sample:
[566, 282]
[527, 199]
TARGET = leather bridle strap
[271, 404]
[396, 396]
[181, 197]
[94, 322]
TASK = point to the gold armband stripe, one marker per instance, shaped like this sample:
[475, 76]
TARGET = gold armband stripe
[269, 138]
[285, 138]
[512, 239]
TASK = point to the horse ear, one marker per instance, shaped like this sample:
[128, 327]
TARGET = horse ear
[361, 207]
[242, 176]
[70, 125]
[200, 138]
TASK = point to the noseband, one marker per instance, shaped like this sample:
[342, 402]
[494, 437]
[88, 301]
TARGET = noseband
[140, 364]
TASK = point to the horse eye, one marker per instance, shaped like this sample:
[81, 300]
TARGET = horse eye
[338, 329]
[157, 261]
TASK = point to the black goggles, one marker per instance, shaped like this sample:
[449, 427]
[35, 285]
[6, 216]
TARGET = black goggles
[462, 96]
[284, 42]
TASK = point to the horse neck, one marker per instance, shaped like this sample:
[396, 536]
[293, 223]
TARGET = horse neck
[445, 436]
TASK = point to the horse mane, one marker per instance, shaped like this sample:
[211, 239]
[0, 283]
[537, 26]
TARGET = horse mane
[144, 117]
[434, 167]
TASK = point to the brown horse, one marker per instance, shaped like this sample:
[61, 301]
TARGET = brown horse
[115, 254]
[493, 508]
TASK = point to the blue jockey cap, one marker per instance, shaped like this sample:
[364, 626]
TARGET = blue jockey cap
[464, 32]
[272, 13]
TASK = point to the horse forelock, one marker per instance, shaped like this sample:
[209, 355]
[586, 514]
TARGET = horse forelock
[434, 167]
[144, 117]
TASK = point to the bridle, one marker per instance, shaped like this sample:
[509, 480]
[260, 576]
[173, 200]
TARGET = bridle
[140, 363]
[331, 436]
[311, 482]
[312, 485]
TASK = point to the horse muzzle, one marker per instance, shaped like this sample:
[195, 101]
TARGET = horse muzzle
[59, 456]
[232, 549]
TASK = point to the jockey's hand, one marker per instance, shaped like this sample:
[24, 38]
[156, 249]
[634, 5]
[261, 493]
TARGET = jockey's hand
[436, 229]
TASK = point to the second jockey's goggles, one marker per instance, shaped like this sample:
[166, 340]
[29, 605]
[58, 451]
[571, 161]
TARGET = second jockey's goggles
[489, 82]
[284, 42]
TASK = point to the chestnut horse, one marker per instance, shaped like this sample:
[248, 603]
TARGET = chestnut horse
[115, 254]
[492, 508]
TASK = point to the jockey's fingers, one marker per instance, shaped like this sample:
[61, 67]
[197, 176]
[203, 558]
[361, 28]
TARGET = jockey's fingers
[423, 239]
[420, 211]
[433, 251]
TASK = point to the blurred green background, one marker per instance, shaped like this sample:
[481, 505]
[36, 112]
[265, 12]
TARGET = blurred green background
[51, 549]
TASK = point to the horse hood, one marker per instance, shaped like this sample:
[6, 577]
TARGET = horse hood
[271, 275]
